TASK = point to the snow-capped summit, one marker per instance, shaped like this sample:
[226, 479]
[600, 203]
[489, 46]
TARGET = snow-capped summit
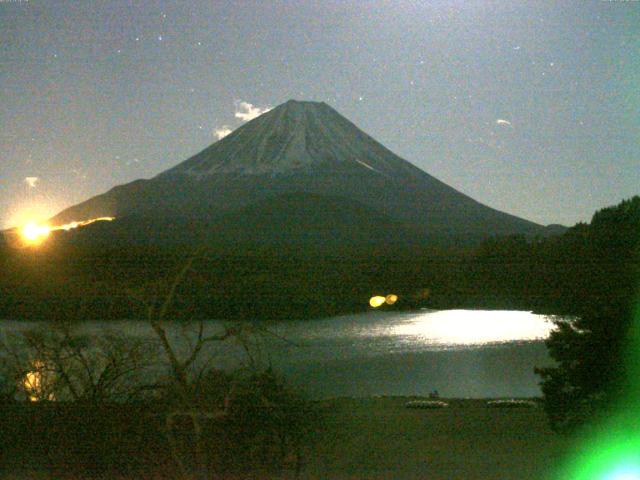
[295, 136]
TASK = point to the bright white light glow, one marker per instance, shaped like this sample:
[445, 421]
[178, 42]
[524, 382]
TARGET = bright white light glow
[626, 472]
[474, 327]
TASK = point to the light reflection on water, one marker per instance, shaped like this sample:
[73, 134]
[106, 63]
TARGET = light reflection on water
[423, 330]
[384, 332]
[473, 327]
[460, 352]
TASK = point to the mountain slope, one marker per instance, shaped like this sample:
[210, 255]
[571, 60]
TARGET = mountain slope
[303, 148]
[292, 219]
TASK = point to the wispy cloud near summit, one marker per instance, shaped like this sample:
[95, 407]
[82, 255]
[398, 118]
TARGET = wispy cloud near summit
[222, 132]
[246, 111]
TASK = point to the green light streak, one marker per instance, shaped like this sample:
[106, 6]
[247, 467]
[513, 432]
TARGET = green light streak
[612, 450]
[612, 454]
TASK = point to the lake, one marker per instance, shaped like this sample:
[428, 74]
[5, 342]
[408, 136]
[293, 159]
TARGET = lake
[459, 353]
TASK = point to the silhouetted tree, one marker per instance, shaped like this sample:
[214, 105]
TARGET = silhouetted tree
[590, 346]
[200, 397]
[58, 361]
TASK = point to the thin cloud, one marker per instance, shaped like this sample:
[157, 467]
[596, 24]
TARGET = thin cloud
[245, 111]
[222, 132]
[31, 181]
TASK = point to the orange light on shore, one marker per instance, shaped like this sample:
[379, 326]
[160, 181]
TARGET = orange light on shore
[376, 301]
[33, 233]
[391, 299]
[35, 383]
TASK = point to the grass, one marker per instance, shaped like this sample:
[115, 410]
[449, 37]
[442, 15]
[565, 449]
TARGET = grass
[379, 438]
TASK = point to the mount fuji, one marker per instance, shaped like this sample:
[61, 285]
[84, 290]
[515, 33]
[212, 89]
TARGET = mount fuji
[300, 171]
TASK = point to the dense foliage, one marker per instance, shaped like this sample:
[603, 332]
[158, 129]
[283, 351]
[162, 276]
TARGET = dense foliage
[594, 371]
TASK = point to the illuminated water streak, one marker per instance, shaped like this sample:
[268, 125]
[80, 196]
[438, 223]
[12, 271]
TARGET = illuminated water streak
[473, 327]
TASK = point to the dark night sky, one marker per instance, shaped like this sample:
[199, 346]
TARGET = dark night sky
[529, 107]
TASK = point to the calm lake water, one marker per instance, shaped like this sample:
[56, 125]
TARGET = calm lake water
[460, 353]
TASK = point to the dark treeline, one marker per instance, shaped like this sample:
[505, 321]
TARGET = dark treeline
[60, 279]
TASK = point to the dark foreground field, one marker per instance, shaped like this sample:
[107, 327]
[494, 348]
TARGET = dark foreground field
[378, 438]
